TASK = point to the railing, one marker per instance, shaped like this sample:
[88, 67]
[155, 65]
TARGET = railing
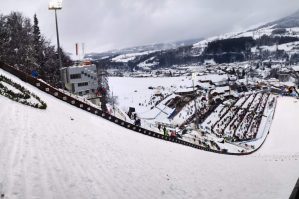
[86, 107]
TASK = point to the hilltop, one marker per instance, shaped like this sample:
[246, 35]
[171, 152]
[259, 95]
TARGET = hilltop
[282, 34]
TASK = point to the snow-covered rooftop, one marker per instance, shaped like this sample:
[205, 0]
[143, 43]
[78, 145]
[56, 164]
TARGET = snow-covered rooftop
[213, 77]
[296, 68]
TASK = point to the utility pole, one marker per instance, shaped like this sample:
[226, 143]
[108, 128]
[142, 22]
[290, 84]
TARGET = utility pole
[113, 104]
[57, 5]
[196, 117]
[58, 43]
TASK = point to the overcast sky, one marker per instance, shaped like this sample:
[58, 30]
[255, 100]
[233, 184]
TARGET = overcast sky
[112, 24]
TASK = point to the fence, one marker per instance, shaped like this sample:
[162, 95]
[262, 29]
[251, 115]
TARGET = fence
[86, 107]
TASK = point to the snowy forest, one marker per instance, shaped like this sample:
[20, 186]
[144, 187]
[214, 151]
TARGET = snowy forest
[23, 45]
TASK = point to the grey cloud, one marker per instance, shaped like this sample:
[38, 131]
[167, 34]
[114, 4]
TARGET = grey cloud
[108, 24]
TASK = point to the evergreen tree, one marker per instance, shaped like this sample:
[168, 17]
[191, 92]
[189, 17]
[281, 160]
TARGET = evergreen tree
[22, 45]
[233, 71]
[18, 48]
[105, 90]
[3, 37]
[36, 30]
[38, 46]
[103, 86]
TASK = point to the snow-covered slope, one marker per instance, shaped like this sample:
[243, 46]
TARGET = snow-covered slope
[287, 26]
[129, 57]
[135, 92]
[134, 52]
[45, 154]
[284, 130]
[255, 34]
[290, 21]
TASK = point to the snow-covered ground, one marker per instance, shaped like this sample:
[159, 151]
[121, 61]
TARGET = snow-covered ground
[148, 64]
[224, 122]
[45, 154]
[129, 57]
[187, 111]
[135, 92]
[256, 34]
[291, 48]
[11, 88]
[284, 130]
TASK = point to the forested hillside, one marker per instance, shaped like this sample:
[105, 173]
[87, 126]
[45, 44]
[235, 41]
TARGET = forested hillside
[23, 45]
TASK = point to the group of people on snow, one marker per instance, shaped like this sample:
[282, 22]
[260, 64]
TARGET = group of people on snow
[133, 116]
[173, 133]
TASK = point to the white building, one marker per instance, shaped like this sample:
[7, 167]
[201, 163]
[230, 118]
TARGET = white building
[80, 79]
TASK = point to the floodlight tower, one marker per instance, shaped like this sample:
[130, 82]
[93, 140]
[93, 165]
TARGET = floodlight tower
[57, 5]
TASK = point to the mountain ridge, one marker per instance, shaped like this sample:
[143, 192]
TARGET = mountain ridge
[225, 48]
[290, 21]
[146, 47]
